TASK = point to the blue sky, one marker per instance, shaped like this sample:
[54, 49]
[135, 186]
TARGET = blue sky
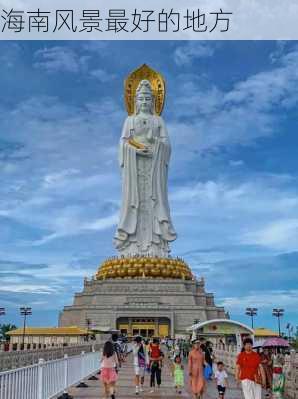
[231, 112]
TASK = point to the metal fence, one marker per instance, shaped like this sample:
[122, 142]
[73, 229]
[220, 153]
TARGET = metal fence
[45, 380]
[17, 359]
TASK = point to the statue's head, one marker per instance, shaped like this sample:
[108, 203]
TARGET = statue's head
[144, 97]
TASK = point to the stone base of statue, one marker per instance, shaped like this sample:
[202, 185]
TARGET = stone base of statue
[142, 296]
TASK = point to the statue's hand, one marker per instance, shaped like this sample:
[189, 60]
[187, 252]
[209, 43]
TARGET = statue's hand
[147, 152]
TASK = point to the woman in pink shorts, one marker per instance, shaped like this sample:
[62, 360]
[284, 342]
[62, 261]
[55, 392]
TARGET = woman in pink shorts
[108, 373]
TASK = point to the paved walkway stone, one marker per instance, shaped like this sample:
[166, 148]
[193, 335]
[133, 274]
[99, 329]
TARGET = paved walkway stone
[126, 388]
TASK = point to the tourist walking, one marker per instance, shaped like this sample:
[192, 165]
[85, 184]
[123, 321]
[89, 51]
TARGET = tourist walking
[279, 379]
[208, 371]
[196, 362]
[141, 360]
[221, 378]
[250, 372]
[108, 373]
[178, 374]
[155, 364]
[180, 344]
[185, 348]
[117, 348]
[176, 349]
[267, 364]
[207, 349]
[209, 353]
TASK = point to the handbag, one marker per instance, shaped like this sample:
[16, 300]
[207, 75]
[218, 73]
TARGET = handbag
[207, 372]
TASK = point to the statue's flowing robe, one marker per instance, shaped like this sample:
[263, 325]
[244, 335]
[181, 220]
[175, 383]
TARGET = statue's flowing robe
[129, 240]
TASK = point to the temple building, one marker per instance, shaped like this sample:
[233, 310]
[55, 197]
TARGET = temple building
[45, 337]
[262, 333]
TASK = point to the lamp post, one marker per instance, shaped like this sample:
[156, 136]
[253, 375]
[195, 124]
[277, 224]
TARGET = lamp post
[25, 311]
[88, 322]
[289, 328]
[278, 313]
[251, 312]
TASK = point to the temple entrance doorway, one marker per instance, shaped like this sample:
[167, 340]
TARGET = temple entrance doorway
[145, 327]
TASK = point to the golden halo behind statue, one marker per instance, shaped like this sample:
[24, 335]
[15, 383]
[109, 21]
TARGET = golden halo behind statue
[157, 83]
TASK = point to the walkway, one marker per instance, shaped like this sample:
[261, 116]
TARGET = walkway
[125, 387]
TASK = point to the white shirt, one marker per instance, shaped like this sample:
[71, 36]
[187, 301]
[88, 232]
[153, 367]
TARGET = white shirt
[220, 377]
[135, 355]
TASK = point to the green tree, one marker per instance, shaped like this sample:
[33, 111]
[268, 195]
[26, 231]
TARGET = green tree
[295, 344]
[4, 328]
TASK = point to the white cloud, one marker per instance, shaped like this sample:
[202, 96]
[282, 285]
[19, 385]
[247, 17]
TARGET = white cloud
[279, 51]
[73, 159]
[280, 234]
[267, 89]
[266, 299]
[102, 75]
[58, 59]
[29, 288]
[236, 163]
[67, 226]
[10, 54]
[259, 211]
[103, 223]
[75, 59]
[187, 53]
[59, 177]
[240, 115]
[98, 47]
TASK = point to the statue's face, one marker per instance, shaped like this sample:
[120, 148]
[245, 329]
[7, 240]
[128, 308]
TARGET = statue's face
[144, 102]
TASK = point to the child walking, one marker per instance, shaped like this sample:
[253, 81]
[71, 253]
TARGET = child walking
[221, 378]
[108, 373]
[178, 374]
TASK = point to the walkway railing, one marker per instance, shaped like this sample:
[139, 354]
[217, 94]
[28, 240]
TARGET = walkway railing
[17, 359]
[45, 380]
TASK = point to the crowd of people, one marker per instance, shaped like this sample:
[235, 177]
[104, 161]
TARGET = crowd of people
[147, 358]
[254, 370]
[259, 371]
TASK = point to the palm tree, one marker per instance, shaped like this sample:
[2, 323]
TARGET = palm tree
[4, 328]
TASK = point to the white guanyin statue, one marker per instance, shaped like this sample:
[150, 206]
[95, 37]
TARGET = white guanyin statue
[145, 226]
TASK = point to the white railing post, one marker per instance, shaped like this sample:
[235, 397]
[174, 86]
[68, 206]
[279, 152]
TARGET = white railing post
[65, 371]
[40, 379]
[83, 365]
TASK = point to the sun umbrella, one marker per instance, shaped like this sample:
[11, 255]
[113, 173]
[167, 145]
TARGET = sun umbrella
[275, 342]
